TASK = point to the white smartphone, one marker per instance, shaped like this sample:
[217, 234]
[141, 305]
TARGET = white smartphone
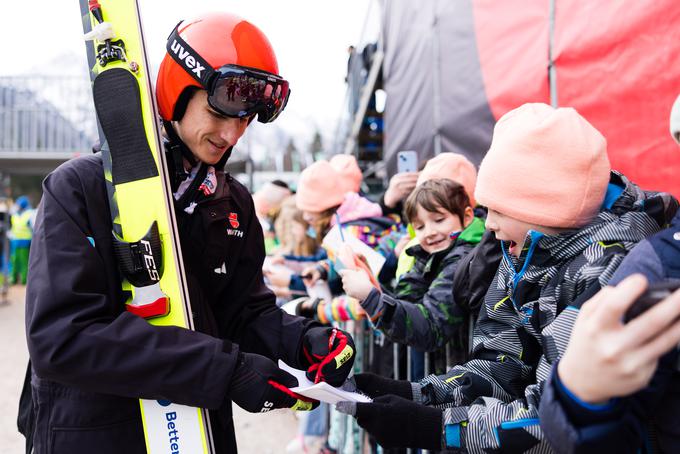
[407, 161]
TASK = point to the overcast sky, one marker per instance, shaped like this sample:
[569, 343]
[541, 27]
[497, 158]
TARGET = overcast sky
[309, 37]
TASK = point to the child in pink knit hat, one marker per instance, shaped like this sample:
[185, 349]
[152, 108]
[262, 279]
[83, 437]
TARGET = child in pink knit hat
[325, 201]
[566, 222]
[322, 193]
[610, 359]
[547, 170]
[453, 166]
[421, 311]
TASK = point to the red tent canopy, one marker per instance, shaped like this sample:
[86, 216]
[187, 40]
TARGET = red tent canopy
[617, 63]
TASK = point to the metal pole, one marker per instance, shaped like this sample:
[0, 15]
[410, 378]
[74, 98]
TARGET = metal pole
[15, 126]
[4, 140]
[361, 327]
[250, 171]
[471, 332]
[4, 239]
[409, 372]
[436, 81]
[552, 70]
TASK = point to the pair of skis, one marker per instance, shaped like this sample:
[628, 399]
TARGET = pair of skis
[146, 238]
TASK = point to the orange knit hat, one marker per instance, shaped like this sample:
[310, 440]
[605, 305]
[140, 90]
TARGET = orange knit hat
[319, 188]
[546, 166]
[452, 166]
[348, 168]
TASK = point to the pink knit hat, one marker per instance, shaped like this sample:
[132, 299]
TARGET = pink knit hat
[319, 188]
[545, 166]
[453, 166]
[350, 174]
[269, 198]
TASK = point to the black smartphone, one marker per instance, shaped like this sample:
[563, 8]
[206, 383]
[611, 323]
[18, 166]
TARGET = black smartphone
[654, 293]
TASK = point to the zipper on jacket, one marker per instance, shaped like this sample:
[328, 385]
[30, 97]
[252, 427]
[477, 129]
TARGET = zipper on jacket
[535, 237]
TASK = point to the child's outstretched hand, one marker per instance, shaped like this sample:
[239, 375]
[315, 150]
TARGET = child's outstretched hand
[356, 283]
[398, 423]
[375, 386]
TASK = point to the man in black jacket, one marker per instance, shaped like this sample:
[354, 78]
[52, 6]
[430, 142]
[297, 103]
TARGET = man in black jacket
[92, 360]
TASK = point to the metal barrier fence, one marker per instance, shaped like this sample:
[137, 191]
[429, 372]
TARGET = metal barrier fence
[356, 441]
[4, 251]
[46, 113]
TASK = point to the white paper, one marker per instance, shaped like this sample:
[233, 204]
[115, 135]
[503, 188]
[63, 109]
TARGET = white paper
[332, 241]
[320, 290]
[321, 391]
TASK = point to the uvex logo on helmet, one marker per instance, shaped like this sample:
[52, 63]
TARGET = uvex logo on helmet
[187, 59]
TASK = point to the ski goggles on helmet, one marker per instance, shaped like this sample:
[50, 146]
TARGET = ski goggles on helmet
[233, 91]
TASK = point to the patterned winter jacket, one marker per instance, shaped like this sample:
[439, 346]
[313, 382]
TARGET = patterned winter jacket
[491, 402]
[422, 312]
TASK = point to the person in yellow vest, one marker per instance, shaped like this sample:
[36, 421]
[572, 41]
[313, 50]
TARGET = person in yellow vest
[21, 232]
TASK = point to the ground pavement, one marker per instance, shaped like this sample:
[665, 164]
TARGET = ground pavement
[256, 433]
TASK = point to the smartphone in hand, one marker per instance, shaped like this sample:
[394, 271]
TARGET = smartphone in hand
[655, 293]
[407, 161]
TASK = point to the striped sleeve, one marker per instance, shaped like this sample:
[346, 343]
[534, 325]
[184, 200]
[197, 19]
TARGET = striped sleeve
[491, 402]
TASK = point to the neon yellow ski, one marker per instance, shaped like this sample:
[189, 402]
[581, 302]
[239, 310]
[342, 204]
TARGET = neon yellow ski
[147, 241]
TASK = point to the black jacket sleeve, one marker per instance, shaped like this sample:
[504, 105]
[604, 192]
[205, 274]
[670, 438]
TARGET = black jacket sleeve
[77, 329]
[259, 326]
[619, 426]
[475, 272]
[398, 209]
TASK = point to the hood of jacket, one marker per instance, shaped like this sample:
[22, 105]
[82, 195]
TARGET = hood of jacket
[356, 207]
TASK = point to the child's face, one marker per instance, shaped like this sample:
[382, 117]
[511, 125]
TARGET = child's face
[433, 228]
[510, 229]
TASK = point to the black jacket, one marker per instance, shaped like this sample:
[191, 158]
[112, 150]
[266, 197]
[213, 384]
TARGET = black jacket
[92, 360]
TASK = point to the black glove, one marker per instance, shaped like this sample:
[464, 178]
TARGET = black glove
[258, 385]
[375, 386]
[307, 308]
[329, 355]
[398, 423]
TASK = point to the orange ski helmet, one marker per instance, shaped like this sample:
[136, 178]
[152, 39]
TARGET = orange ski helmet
[230, 58]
